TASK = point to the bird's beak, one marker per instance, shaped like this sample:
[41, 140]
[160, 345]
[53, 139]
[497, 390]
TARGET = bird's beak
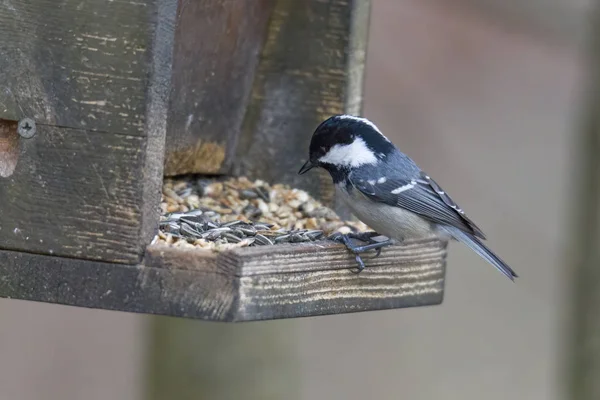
[306, 167]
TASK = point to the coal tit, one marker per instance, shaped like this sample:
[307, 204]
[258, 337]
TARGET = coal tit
[387, 191]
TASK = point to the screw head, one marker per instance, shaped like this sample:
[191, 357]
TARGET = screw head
[26, 128]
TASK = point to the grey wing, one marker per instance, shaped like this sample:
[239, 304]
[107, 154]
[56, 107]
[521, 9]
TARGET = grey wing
[421, 195]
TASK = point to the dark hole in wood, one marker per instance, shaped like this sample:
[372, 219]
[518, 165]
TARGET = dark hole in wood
[9, 147]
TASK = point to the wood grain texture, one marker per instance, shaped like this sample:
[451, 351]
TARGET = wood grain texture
[157, 107]
[301, 80]
[283, 281]
[89, 193]
[75, 193]
[298, 280]
[109, 286]
[78, 63]
[216, 51]
[308, 280]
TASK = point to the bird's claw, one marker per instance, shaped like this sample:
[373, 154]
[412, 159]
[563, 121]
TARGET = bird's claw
[363, 237]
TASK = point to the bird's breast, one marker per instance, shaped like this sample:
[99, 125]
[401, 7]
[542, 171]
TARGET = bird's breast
[393, 222]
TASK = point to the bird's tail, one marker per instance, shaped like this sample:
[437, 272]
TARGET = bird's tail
[478, 247]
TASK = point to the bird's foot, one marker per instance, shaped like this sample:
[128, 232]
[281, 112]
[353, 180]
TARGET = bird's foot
[366, 237]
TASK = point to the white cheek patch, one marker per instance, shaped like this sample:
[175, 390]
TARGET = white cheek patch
[354, 154]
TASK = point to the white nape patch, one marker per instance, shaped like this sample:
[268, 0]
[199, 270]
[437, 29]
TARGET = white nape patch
[354, 154]
[371, 182]
[364, 121]
[404, 188]
[383, 179]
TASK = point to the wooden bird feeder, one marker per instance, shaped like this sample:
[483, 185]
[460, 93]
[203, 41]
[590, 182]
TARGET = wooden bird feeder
[101, 99]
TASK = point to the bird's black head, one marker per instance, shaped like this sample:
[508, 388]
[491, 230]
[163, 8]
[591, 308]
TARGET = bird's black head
[343, 142]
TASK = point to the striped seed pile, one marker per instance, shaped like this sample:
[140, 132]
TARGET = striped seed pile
[236, 212]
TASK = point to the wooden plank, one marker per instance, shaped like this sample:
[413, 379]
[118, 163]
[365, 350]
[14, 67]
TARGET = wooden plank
[75, 193]
[311, 280]
[112, 286]
[157, 106]
[282, 281]
[298, 280]
[302, 78]
[80, 64]
[217, 45]
[79, 192]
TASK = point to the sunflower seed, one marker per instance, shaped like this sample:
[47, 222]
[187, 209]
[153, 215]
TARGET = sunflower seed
[247, 230]
[233, 223]
[282, 239]
[194, 212]
[174, 216]
[263, 193]
[193, 219]
[262, 227]
[188, 230]
[314, 234]
[262, 240]
[231, 238]
[238, 233]
[183, 193]
[214, 234]
[248, 194]
[298, 238]
[252, 212]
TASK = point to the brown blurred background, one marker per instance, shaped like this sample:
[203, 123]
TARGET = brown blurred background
[484, 95]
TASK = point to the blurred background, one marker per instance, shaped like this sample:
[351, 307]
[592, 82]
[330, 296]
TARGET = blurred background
[485, 96]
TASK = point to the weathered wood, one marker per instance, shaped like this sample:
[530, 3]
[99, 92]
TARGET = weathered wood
[301, 80]
[75, 193]
[583, 369]
[81, 64]
[113, 287]
[217, 45]
[157, 104]
[310, 280]
[283, 281]
[89, 193]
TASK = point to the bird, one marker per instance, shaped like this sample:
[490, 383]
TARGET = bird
[386, 190]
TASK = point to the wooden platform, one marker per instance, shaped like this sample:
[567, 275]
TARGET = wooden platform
[257, 283]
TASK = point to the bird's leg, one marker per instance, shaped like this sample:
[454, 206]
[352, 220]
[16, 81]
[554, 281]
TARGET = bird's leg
[374, 245]
[366, 237]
